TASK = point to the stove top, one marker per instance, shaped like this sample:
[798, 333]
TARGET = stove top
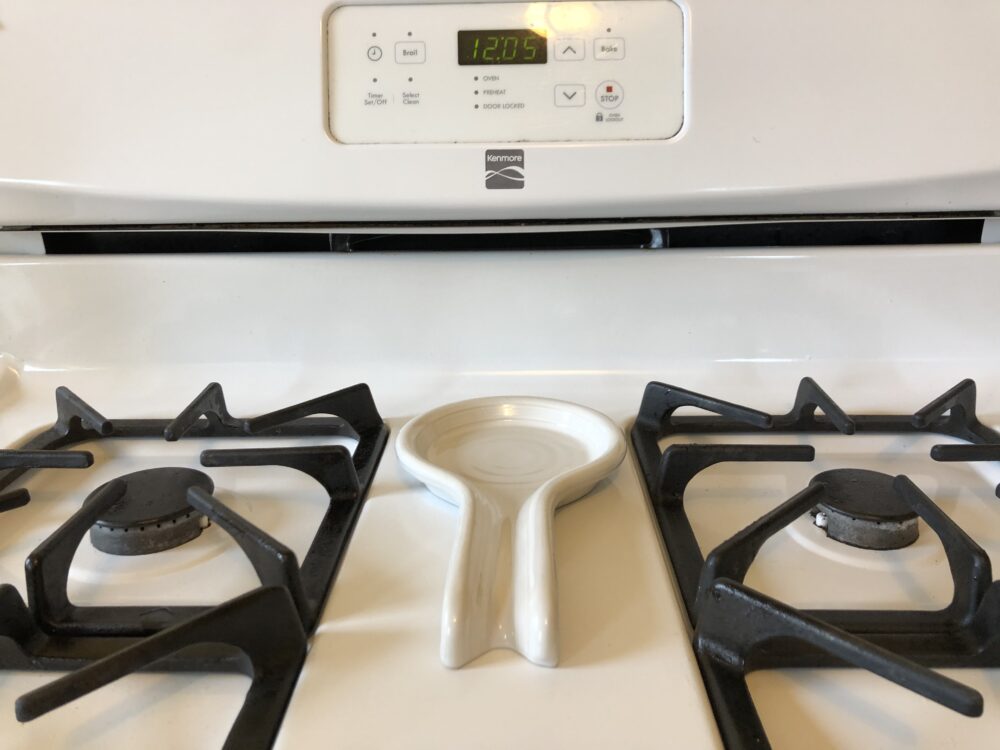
[631, 659]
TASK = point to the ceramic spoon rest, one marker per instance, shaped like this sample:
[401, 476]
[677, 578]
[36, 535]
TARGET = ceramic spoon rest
[507, 463]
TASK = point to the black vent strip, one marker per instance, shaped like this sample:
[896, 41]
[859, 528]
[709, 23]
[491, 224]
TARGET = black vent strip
[827, 233]
[754, 632]
[50, 633]
[180, 242]
[622, 239]
[751, 234]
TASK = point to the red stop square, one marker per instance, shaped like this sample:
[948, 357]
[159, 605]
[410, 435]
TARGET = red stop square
[609, 89]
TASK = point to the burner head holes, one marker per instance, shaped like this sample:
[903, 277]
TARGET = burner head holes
[153, 515]
[861, 508]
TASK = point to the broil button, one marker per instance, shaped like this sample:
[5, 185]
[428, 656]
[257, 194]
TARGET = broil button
[409, 53]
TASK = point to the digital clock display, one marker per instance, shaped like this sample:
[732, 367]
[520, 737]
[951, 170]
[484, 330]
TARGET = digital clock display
[502, 47]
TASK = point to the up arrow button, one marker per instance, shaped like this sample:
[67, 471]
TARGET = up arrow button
[569, 49]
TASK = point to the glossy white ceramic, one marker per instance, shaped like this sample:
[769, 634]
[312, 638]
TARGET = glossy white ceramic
[507, 463]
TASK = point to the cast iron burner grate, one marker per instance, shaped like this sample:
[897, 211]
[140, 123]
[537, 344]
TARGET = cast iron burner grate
[737, 630]
[263, 633]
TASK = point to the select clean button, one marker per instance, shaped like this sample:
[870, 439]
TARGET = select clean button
[409, 53]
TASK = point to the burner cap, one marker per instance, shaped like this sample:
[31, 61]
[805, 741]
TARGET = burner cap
[153, 514]
[861, 508]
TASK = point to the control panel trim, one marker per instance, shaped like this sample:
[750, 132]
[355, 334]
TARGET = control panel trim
[601, 52]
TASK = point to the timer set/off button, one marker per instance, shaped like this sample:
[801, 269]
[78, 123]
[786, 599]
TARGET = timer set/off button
[407, 53]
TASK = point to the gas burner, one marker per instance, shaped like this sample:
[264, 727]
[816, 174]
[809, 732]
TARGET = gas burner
[153, 514]
[736, 629]
[862, 508]
[262, 633]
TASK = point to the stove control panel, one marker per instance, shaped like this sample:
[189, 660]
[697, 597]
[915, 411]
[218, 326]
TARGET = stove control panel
[506, 72]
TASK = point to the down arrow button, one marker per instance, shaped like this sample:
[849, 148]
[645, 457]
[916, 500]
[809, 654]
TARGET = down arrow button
[570, 94]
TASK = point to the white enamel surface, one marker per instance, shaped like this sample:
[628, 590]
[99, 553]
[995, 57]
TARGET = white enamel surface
[128, 112]
[437, 100]
[508, 463]
[142, 335]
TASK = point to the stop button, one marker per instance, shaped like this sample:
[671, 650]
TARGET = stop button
[609, 94]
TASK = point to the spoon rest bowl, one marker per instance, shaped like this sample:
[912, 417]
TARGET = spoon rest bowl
[507, 463]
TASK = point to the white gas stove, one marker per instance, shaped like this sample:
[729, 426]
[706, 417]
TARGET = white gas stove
[561, 200]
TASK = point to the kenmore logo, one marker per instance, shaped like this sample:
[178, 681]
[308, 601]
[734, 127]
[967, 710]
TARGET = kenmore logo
[505, 169]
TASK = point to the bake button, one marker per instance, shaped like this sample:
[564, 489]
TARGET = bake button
[570, 95]
[374, 53]
[609, 94]
[609, 48]
[569, 49]
[410, 52]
